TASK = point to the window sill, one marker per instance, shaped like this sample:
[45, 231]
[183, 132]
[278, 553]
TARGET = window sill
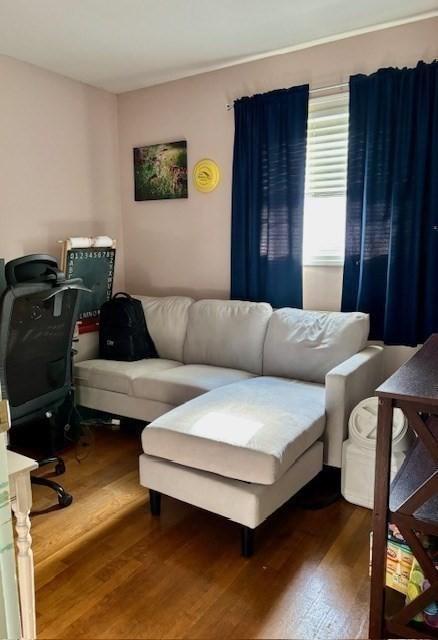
[323, 263]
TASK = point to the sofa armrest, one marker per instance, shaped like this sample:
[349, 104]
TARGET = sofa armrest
[346, 385]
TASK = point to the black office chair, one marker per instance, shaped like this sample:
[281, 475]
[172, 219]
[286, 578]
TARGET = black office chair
[39, 310]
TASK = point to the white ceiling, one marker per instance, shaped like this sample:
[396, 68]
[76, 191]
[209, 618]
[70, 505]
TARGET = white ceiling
[121, 45]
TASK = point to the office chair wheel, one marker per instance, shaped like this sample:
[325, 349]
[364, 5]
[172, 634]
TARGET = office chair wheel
[65, 500]
[60, 468]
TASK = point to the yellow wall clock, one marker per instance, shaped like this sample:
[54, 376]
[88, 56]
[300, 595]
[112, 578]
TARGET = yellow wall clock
[206, 175]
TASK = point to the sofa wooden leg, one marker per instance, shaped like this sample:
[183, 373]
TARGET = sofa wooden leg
[247, 541]
[155, 502]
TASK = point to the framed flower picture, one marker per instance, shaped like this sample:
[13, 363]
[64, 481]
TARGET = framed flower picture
[160, 171]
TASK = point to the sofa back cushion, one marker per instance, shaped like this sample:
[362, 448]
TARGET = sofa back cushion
[166, 319]
[227, 333]
[306, 345]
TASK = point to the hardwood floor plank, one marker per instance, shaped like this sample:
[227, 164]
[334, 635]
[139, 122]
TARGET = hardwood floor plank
[106, 568]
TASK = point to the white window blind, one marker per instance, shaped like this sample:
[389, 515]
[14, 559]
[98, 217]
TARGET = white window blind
[326, 180]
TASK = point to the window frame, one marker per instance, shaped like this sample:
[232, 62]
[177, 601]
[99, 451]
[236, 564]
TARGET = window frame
[336, 106]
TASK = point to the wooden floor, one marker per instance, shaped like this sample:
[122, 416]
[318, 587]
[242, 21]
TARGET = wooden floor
[106, 568]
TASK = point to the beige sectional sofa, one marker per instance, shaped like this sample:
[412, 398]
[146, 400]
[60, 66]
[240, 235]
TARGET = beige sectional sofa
[245, 403]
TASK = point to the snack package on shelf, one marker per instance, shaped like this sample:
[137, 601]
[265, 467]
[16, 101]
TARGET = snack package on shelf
[403, 572]
[399, 561]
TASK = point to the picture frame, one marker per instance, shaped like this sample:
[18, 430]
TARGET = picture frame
[160, 171]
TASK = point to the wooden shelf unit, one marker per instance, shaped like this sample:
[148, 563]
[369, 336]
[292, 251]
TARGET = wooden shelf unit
[411, 501]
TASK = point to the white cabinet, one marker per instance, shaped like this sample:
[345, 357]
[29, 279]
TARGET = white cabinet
[15, 494]
[9, 608]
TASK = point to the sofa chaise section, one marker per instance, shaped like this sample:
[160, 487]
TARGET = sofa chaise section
[251, 431]
[241, 450]
[246, 503]
[245, 404]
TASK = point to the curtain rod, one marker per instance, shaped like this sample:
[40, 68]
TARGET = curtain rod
[330, 87]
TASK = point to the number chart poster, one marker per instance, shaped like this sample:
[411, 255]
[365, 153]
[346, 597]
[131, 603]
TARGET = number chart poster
[95, 265]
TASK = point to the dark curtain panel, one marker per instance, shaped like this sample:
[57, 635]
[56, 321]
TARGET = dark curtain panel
[391, 253]
[268, 197]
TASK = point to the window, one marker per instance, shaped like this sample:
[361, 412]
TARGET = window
[326, 181]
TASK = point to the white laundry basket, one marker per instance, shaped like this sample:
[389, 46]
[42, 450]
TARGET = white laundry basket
[359, 451]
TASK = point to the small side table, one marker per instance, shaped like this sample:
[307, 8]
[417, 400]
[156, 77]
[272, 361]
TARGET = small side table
[19, 468]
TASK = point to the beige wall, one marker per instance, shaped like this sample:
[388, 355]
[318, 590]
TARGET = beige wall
[60, 154]
[183, 246]
[59, 165]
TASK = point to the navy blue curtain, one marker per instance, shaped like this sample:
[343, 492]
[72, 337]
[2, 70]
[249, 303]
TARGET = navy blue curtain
[391, 253]
[268, 197]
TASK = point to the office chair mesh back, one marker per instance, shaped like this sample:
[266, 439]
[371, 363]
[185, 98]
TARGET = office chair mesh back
[38, 349]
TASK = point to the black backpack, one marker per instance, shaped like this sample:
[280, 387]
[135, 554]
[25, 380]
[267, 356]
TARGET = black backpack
[123, 334]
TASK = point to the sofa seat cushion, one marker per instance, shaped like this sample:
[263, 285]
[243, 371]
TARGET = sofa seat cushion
[178, 385]
[252, 430]
[113, 375]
